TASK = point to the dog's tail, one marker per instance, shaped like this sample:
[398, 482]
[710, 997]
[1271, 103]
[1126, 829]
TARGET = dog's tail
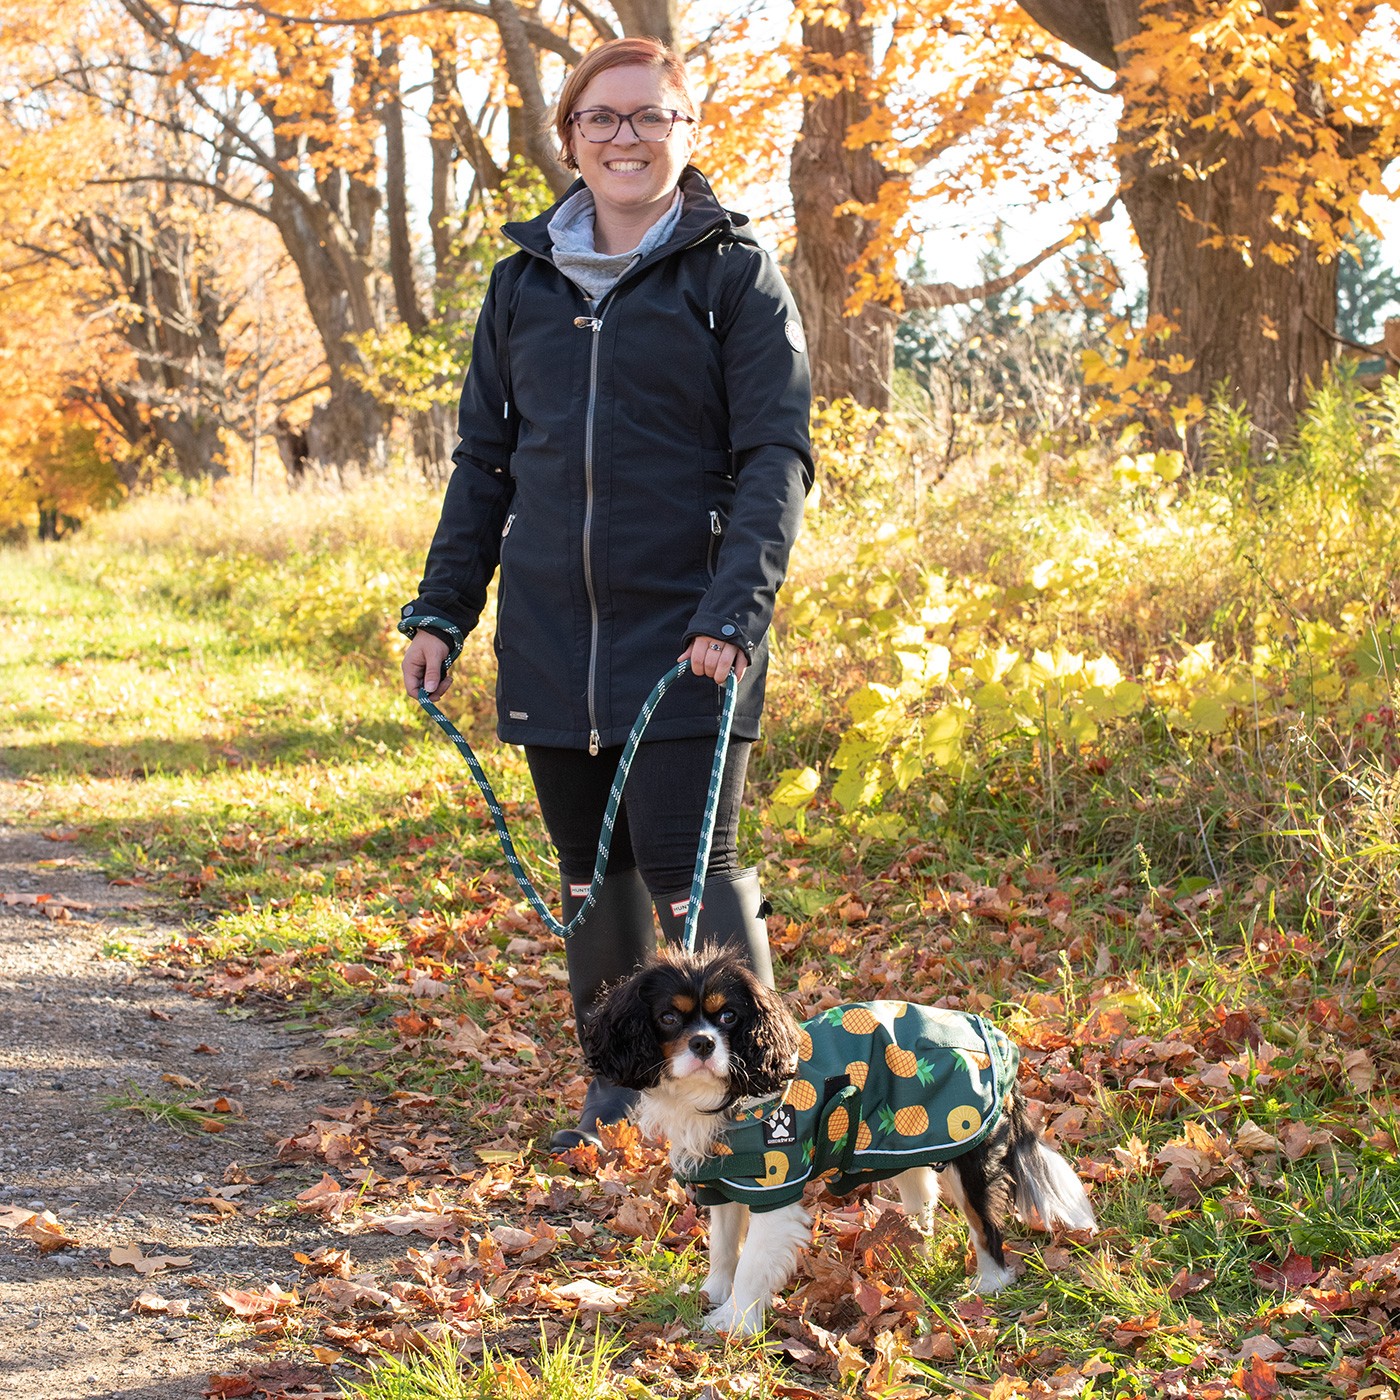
[1047, 1191]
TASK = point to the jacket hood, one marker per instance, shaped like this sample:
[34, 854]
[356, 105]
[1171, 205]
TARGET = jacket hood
[701, 214]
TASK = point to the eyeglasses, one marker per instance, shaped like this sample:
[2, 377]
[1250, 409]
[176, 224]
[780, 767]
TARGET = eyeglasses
[598, 124]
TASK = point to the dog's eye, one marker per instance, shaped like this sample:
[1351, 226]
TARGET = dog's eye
[669, 1020]
[727, 1017]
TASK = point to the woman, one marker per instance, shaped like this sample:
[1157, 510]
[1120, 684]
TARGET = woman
[634, 457]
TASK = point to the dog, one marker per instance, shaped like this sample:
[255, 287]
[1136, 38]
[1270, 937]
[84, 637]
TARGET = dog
[755, 1105]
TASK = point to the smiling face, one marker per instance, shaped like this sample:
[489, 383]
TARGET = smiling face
[633, 181]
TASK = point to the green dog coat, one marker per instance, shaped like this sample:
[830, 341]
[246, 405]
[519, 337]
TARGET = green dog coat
[881, 1086]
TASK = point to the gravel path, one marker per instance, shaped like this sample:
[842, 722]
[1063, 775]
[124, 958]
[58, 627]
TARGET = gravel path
[79, 1026]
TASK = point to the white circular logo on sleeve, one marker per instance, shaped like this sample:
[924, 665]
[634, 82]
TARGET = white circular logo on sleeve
[795, 337]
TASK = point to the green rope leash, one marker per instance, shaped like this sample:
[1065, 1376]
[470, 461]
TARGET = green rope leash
[409, 625]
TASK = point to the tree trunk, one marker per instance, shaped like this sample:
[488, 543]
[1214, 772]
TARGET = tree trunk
[529, 122]
[396, 195]
[648, 19]
[323, 237]
[1262, 329]
[850, 355]
[175, 332]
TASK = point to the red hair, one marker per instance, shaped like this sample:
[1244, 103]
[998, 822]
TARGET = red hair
[619, 53]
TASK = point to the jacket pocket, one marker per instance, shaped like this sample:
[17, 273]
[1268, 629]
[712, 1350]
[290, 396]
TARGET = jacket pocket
[501, 580]
[718, 499]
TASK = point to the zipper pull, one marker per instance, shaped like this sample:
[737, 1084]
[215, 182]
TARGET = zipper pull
[714, 523]
[587, 323]
[510, 520]
[593, 743]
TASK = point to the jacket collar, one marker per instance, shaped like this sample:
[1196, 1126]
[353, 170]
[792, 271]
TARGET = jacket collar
[701, 215]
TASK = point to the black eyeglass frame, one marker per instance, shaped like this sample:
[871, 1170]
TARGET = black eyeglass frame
[620, 117]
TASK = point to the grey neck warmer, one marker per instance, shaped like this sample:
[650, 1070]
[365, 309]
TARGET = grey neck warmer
[594, 273]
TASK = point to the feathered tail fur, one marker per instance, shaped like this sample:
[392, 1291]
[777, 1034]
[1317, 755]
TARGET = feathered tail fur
[1046, 1190]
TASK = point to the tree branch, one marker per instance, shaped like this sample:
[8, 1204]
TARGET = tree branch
[1077, 73]
[1352, 344]
[540, 34]
[169, 178]
[600, 25]
[929, 296]
[1082, 24]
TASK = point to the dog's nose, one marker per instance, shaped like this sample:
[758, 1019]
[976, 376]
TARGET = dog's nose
[702, 1046]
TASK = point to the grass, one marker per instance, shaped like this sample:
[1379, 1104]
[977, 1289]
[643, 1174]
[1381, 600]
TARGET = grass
[174, 1113]
[1187, 932]
[574, 1367]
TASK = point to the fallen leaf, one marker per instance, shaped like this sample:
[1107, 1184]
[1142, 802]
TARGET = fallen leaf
[43, 1229]
[226, 1385]
[1258, 1380]
[1266, 1348]
[1294, 1273]
[850, 1362]
[1298, 1140]
[939, 1346]
[180, 1081]
[1360, 1070]
[246, 1304]
[511, 1240]
[415, 1222]
[154, 1303]
[1185, 1283]
[1251, 1138]
[587, 1296]
[130, 1256]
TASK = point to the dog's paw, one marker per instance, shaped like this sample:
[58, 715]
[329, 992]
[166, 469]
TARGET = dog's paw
[717, 1288]
[992, 1277]
[737, 1322]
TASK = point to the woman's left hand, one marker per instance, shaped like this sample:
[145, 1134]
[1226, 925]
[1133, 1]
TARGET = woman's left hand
[708, 656]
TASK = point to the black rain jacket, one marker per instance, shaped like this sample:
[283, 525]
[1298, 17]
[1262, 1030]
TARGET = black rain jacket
[637, 473]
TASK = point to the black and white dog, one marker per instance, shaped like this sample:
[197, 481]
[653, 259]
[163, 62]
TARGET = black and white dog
[754, 1105]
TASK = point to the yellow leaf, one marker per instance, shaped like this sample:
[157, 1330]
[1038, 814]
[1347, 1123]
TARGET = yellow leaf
[1207, 715]
[796, 787]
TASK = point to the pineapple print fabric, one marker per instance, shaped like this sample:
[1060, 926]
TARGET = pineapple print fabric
[881, 1086]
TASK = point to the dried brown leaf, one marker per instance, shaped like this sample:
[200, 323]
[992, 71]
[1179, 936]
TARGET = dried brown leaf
[129, 1256]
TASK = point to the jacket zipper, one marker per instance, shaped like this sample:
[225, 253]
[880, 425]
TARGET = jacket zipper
[716, 531]
[594, 324]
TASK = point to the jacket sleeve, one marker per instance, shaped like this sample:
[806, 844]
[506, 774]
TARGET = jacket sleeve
[768, 385]
[466, 546]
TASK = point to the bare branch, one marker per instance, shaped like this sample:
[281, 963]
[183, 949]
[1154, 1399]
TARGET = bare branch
[157, 177]
[540, 34]
[600, 25]
[1077, 73]
[1352, 344]
[928, 296]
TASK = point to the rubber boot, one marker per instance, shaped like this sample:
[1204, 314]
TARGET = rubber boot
[616, 938]
[733, 912]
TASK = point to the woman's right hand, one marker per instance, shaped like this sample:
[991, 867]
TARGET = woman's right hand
[425, 666]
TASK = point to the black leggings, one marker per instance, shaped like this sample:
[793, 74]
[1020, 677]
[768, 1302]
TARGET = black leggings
[658, 823]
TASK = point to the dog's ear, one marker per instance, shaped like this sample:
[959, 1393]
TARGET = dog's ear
[764, 1047]
[618, 1037]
